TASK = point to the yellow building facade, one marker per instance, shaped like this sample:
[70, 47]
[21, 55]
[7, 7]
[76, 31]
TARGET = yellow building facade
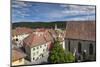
[18, 62]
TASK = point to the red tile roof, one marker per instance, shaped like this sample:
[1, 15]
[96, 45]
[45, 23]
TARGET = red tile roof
[53, 33]
[48, 36]
[17, 54]
[35, 39]
[21, 30]
[84, 30]
[40, 30]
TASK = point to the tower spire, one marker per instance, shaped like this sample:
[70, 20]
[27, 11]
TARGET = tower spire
[66, 25]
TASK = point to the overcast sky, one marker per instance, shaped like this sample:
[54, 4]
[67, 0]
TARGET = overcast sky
[34, 11]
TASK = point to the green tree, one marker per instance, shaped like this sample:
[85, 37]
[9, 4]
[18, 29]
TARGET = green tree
[70, 57]
[58, 55]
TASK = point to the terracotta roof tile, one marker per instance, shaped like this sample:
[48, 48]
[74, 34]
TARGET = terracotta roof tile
[48, 36]
[21, 30]
[17, 54]
[84, 30]
[36, 39]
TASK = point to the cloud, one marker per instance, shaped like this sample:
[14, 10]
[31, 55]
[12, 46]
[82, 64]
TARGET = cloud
[64, 13]
[79, 7]
[42, 11]
[19, 8]
[82, 18]
[76, 12]
[63, 5]
[20, 4]
[73, 10]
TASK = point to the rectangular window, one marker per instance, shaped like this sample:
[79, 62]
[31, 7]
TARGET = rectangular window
[33, 48]
[43, 50]
[37, 52]
[33, 54]
[37, 47]
[33, 58]
[40, 46]
[37, 58]
[46, 49]
[45, 45]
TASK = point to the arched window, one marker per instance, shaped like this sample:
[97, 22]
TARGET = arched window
[91, 49]
[79, 47]
[68, 45]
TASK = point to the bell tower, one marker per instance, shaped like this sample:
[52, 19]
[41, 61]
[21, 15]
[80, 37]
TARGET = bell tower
[66, 25]
[55, 26]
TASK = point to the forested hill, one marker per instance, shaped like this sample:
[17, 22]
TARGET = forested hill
[60, 24]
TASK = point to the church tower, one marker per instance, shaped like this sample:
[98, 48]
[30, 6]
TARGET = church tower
[55, 26]
[66, 25]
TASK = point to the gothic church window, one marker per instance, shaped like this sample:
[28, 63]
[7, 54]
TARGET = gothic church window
[79, 47]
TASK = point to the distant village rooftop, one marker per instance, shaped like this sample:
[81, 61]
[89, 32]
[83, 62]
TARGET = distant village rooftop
[21, 30]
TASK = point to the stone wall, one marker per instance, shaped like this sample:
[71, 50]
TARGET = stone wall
[85, 47]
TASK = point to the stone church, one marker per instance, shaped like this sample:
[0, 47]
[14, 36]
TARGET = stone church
[80, 39]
